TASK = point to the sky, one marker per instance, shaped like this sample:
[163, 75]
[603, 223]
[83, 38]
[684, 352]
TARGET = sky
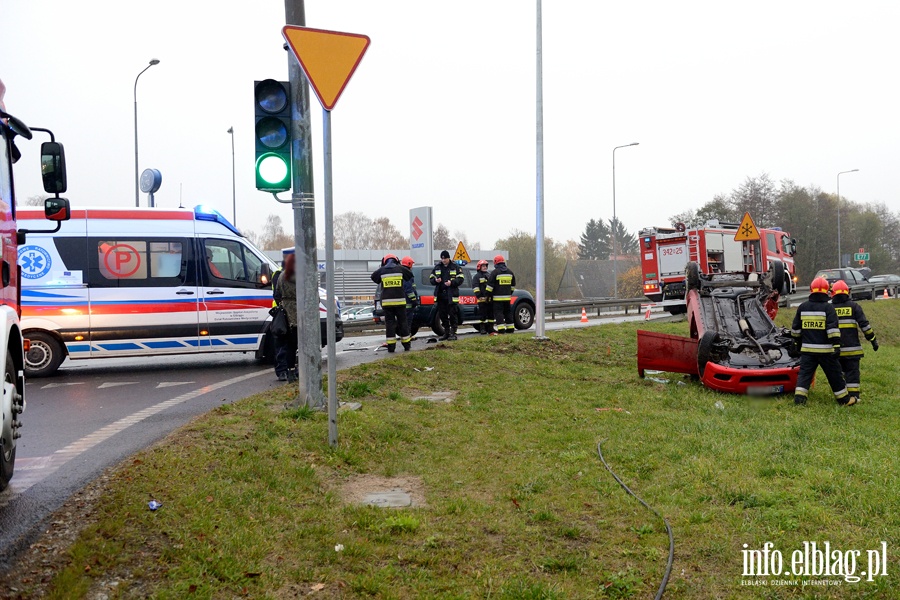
[441, 111]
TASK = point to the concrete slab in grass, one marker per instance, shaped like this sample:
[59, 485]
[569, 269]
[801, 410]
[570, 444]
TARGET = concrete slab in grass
[445, 397]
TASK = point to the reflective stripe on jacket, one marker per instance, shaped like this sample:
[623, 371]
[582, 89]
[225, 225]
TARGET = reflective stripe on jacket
[815, 326]
[851, 319]
[391, 277]
[452, 273]
[501, 283]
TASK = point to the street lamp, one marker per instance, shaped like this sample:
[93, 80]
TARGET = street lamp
[615, 222]
[137, 198]
[840, 256]
[233, 193]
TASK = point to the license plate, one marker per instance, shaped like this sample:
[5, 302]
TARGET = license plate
[764, 390]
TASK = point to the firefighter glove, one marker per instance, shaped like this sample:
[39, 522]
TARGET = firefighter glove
[875, 345]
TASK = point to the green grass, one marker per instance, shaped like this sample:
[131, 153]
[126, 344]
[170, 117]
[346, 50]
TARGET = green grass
[518, 504]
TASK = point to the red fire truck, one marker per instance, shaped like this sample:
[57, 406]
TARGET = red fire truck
[12, 346]
[666, 251]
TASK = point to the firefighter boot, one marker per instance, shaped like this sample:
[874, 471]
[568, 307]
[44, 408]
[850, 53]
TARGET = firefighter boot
[452, 335]
[801, 400]
[407, 346]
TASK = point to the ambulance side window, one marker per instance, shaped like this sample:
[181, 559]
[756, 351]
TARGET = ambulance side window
[138, 262]
[232, 262]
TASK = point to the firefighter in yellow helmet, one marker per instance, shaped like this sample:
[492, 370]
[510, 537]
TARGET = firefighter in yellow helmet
[815, 330]
[851, 319]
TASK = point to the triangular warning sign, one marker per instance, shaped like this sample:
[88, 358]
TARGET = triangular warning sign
[461, 253]
[328, 58]
[747, 230]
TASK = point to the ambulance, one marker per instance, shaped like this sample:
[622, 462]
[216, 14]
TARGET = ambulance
[143, 282]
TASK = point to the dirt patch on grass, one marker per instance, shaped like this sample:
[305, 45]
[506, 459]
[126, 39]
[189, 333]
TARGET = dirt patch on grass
[355, 489]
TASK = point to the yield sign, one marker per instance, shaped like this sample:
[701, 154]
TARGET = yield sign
[328, 58]
[747, 230]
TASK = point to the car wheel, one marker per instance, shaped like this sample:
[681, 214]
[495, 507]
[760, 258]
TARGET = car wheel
[704, 350]
[45, 355]
[778, 281]
[524, 315]
[11, 404]
[436, 326]
[414, 329]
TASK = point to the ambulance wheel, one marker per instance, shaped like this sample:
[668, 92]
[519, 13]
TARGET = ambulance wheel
[11, 400]
[45, 355]
[692, 276]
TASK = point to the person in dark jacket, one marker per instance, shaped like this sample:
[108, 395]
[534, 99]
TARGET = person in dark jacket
[286, 296]
[281, 367]
[484, 299]
[815, 330]
[412, 294]
[447, 277]
[391, 277]
[501, 285]
[851, 319]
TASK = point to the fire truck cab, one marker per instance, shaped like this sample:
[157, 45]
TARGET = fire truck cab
[665, 252]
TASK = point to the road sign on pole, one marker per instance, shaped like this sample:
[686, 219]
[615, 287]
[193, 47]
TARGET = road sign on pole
[329, 58]
[861, 256]
[461, 254]
[747, 230]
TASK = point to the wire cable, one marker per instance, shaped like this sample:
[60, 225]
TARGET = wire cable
[665, 580]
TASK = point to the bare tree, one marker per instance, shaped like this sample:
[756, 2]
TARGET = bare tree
[34, 201]
[442, 238]
[462, 237]
[273, 236]
[385, 236]
[571, 249]
[353, 230]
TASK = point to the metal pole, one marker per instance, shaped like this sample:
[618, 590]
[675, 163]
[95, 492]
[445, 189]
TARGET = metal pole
[137, 197]
[309, 367]
[233, 192]
[329, 281]
[615, 223]
[840, 255]
[539, 242]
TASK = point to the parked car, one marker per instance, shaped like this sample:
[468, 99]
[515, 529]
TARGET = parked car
[889, 282]
[426, 312]
[855, 280]
[364, 313]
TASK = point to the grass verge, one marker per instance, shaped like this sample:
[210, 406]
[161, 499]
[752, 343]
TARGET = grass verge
[517, 503]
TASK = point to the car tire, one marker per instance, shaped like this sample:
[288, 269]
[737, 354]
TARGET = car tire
[704, 350]
[414, 329]
[45, 355]
[10, 423]
[778, 272]
[523, 315]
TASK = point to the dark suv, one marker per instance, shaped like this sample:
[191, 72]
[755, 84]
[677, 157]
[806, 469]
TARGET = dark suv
[860, 289]
[426, 312]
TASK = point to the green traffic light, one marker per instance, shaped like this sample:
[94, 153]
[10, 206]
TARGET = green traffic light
[273, 171]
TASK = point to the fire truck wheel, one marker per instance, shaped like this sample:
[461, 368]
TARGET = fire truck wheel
[45, 355]
[704, 350]
[778, 281]
[10, 423]
[692, 275]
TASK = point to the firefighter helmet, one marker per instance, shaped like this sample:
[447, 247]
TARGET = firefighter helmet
[499, 259]
[840, 287]
[388, 257]
[819, 285]
[481, 263]
[407, 261]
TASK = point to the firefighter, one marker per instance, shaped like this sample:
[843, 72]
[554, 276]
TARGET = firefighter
[815, 330]
[391, 277]
[501, 285]
[411, 293]
[484, 300]
[447, 277]
[851, 319]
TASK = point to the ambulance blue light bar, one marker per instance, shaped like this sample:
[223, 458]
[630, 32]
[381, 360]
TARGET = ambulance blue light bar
[205, 213]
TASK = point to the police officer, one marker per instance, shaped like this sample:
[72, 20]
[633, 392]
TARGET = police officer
[447, 277]
[501, 285]
[391, 277]
[281, 368]
[484, 300]
[815, 329]
[851, 319]
[412, 294]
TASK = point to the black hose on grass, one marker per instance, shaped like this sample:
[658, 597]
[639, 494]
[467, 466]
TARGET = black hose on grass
[665, 580]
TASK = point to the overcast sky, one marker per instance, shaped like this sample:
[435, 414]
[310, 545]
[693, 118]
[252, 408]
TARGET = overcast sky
[441, 111]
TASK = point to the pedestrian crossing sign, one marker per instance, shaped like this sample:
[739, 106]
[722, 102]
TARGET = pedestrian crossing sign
[461, 254]
[747, 230]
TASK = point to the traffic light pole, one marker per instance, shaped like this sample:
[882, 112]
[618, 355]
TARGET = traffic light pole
[309, 360]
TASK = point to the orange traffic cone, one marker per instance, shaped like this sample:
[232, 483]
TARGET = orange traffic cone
[885, 296]
[584, 318]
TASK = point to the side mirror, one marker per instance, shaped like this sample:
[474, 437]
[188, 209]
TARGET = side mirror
[265, 274]
[57, 209]
[53, 167]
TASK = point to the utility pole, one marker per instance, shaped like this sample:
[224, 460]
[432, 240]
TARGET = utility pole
[309, 360]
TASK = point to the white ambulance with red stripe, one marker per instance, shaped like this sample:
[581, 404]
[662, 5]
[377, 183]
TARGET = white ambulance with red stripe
[141, 282]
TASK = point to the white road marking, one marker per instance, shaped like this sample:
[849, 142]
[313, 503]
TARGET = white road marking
[165, 384]
[39, 468]
[115, 384]
[56, 385]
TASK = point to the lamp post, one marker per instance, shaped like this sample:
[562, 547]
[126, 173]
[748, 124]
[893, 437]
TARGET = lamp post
[233, 193]
[840, 256]
[615, 222]
[137, 198]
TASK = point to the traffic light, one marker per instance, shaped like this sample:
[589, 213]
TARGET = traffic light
[273, 135]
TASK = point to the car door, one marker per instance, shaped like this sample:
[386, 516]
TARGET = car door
[235, 295]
